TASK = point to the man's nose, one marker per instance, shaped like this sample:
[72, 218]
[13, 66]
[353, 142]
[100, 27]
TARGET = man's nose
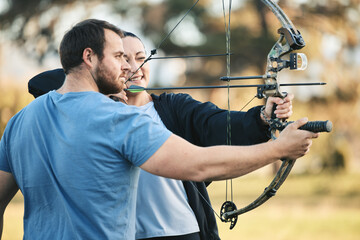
[125, 66]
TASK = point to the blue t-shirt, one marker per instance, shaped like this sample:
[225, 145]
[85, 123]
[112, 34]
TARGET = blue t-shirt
[74, 158]
[162, 207]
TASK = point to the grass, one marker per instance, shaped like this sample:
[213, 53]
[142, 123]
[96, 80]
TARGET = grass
[306, 207]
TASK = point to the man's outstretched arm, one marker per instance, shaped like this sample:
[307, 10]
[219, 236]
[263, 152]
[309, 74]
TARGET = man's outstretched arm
[8, 189]
[179, 159]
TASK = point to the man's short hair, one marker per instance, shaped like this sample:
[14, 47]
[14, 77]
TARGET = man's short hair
[86, 34]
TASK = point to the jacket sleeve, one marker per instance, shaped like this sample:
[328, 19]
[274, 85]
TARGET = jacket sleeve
[205, 124]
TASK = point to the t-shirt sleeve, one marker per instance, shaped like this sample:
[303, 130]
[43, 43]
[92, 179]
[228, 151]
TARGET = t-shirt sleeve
[140, 136]
[4, 162]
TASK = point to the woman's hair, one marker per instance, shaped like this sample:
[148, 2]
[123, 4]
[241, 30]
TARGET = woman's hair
[130, 34]
[86, 34]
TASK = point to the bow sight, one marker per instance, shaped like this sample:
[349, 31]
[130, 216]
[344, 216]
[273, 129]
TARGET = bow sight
[289, 40]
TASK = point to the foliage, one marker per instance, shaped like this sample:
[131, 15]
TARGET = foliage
[330, 29]
[13, 99]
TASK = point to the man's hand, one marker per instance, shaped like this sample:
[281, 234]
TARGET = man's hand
[295, 143]
[283, 109]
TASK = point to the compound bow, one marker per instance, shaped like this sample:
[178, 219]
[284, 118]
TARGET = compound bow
[289, 40]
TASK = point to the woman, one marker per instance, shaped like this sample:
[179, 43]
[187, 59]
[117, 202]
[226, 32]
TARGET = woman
[172, 208]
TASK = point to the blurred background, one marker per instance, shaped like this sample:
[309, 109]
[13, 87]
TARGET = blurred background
[321, 198]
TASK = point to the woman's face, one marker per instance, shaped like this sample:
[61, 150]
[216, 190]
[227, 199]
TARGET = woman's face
[135, 56]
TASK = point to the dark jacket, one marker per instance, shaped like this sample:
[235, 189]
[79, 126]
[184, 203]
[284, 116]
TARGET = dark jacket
[204, 124]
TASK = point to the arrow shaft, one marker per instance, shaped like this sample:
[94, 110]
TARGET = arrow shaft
[243, 78]
[214, 87]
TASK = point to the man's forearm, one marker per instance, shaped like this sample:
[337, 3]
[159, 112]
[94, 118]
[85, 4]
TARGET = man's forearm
[235, 161]
[189, 162]
[180, 159]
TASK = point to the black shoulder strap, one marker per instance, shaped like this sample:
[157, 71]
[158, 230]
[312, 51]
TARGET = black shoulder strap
[46, 81]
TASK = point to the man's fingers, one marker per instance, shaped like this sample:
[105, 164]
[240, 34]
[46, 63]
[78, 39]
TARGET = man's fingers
[302, 121]
[297, 124]
[315, 135]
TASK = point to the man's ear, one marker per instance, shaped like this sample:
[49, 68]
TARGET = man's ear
[88, 57]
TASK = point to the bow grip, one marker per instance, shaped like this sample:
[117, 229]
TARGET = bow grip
[317, 126]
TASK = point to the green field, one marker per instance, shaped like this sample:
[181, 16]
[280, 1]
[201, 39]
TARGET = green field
[305, 207]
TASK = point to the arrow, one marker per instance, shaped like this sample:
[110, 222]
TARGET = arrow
[136, 89]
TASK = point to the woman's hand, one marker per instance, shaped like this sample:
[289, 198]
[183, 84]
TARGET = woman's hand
[283, 109]
[119, 97]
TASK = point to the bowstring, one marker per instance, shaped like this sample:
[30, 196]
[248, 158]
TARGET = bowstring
[228, 119]
[168, 35]
[227, 18]
[228, 54]
[153, 52]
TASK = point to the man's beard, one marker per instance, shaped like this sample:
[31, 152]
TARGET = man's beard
[105, 82]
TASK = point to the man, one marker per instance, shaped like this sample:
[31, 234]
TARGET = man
[74, 153]
[167, 207]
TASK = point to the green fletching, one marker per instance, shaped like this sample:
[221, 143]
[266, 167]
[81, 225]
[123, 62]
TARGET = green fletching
[135, 89]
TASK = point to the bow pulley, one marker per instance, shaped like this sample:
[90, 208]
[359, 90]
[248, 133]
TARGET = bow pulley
[228, 206]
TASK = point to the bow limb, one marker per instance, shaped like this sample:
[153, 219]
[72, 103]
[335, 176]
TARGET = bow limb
[293, 41]
[269, 191]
